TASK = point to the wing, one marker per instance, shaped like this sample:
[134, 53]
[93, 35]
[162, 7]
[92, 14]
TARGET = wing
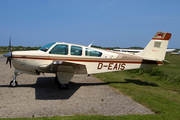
[62, 66]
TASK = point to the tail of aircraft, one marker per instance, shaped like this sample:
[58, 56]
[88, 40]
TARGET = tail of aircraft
[156, 48]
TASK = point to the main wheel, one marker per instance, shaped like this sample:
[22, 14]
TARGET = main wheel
[62, 86]
[56, 79]
[13, 84]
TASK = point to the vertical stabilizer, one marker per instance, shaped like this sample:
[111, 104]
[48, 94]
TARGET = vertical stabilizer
[156, 48]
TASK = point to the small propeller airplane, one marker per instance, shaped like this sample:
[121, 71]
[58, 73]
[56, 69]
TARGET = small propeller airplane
[66, 59]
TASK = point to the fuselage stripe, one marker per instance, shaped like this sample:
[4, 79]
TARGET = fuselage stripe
[85, 60]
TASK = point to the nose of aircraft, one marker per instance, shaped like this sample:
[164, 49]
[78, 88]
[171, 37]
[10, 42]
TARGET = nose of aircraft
[9, 57]
[9, 54]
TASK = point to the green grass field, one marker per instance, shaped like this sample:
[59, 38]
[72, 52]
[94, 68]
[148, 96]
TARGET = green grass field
[160, 93]
[158, 89]
[3, 52]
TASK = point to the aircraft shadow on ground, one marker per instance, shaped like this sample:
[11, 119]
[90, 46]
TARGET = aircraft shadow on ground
[138, 82]
[46, 88]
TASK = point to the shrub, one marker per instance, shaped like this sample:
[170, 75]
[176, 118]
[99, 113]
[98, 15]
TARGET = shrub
[151, 71]
[159, 73]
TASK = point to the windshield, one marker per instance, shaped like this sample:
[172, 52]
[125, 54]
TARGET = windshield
[46, 47]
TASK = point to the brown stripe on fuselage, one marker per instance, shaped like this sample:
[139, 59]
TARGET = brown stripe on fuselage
[90, 60]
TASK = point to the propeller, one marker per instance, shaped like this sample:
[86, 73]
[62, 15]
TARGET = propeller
[9, 54]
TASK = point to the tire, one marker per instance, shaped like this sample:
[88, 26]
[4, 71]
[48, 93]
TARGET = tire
[13, 84]
[56, 79]
[62, 86]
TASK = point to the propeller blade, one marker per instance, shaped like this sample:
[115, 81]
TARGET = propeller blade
[7, 61]
[10, 44]
[9, 55]
[10, 62]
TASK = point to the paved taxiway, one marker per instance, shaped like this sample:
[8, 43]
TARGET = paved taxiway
[2, 58]
[37, 96]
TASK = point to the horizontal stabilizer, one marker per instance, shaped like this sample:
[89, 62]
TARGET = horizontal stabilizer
[166, 62]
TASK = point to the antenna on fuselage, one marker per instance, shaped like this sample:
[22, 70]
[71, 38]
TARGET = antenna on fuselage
[90, 44]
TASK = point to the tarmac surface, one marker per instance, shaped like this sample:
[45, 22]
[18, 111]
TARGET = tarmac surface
[37, 96]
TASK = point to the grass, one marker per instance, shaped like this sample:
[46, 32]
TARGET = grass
[158, 89]
[159, 93]
[3, 52]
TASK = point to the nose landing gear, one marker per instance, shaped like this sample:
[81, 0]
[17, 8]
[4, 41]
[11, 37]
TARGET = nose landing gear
[14, 83]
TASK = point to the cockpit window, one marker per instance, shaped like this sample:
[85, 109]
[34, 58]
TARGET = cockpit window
[75, 50]
[61, 49]
[91, 52]
[46, 47]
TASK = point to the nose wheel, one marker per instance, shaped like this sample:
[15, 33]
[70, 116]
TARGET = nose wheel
[14, 83]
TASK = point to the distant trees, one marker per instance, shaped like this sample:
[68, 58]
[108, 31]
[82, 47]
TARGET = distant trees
[135, 48]
[17, 48]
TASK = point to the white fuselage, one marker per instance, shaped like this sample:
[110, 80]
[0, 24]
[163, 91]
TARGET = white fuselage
[107, 61]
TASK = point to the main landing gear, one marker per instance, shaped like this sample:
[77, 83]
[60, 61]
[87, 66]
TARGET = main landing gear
[14, 83]
[60, 86]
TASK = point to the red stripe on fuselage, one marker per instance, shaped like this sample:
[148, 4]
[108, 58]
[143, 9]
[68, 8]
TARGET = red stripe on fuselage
[91, 60]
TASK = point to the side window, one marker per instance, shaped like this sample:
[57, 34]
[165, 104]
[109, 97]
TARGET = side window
[75, 50]
[60, 49]
[91, 52]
